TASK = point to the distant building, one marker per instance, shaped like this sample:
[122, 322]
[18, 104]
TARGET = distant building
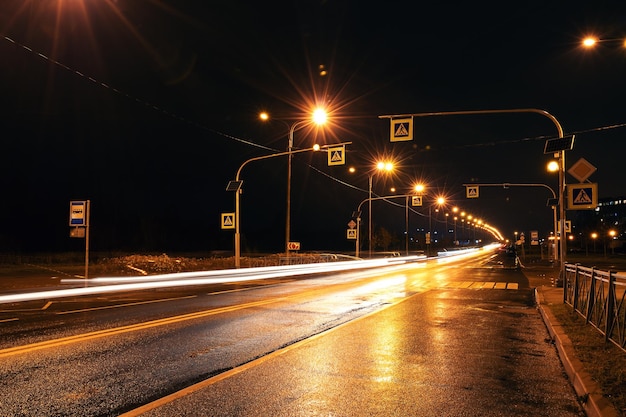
[606, 225]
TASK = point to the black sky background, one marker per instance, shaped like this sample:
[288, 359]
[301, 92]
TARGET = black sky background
[148, 108]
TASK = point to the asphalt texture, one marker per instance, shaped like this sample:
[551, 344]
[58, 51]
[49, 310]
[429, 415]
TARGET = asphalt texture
[474, 353]
[204, 399]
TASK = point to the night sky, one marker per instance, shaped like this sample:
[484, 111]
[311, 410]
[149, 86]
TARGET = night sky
[148, 107]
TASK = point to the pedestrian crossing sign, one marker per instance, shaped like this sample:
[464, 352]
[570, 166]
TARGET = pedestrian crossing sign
[582, 196]
[228, 220]
[401, 129]
[471, 191]
[337, 155]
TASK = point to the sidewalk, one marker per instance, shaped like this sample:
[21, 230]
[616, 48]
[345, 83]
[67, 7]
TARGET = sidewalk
[542, 276]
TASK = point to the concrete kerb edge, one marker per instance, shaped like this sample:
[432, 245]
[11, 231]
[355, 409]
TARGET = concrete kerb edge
[594, 403]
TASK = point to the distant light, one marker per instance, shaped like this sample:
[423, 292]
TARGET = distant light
[589, 42]
[419, 188]
[553, 166]
[316, 147]
[264, 116]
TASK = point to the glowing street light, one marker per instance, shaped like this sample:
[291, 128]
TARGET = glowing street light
[594, 236]
[591, 42]
[612, 234]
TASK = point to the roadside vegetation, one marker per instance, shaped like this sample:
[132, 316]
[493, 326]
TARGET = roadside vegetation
[604, 361]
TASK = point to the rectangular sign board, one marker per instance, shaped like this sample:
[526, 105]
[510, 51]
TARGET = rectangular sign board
[78, 213]
[582, 196]
[401, 129]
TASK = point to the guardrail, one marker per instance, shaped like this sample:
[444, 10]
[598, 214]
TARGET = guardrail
[600, 297]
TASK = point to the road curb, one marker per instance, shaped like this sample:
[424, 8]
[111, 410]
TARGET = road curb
[588, 391]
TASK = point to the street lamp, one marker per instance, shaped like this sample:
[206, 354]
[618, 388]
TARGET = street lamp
[318, 117]
[236, 187]
[594, 236]
[612, 234]
[591, 42]
[455, 210]
[384, 167]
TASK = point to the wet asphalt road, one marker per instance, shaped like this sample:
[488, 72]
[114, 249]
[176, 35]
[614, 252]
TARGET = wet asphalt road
[442, 353]
[449, 340]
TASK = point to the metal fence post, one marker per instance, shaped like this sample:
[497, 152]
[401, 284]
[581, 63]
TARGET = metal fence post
[591, 296]
[610, 316]
[576, 277]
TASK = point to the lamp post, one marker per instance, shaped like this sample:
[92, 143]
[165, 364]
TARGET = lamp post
[455, 210]
[318, 117]
[380, 166]
[236, 187]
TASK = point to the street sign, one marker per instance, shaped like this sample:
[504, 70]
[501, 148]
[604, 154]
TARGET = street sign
[582, 196]
[582, 170]
[351, 224]
[471, 191]
[416, 200]
[228, 220]
[351, 234]
[78, 232]
[568, 227]
[534, 237]
[337, 155]
[78, 213]
[401, 129]
[293, 246]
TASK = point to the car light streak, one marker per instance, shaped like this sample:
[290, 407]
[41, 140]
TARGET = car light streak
[199, 278]
[120, 284]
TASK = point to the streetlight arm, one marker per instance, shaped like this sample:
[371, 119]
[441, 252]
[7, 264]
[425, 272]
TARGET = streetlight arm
[258, 158]
[468, 112]
[507, 184]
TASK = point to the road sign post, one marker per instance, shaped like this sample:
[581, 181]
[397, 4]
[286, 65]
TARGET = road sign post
[79, 221]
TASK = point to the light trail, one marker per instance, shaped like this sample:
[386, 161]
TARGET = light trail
[117, 284]
[183, 279]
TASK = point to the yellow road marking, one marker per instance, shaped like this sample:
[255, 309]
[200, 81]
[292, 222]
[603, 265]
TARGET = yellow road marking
[7, 320]
[122, 305]
[126, 329]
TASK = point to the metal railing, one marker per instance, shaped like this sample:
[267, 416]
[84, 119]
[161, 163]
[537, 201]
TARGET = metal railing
[600, 297]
